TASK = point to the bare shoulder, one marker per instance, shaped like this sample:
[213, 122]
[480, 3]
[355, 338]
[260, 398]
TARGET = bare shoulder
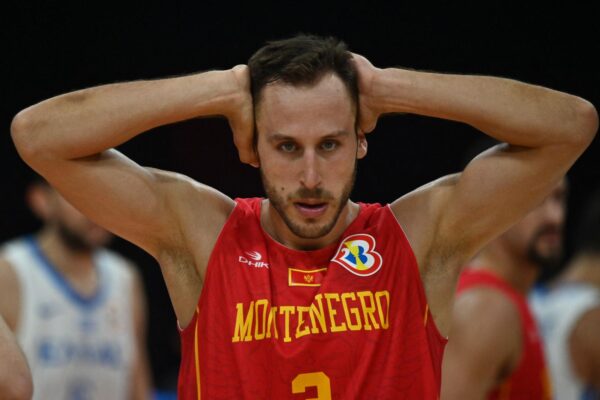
[487, 309]
[201, 210]
[585, 346]
[483, 346]
[418, 213]
[10, 294]
[485, 321]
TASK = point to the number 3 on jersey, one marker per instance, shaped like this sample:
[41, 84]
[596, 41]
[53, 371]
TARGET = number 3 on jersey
[317, 379]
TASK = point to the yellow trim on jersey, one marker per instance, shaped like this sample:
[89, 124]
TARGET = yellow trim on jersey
[196, 355]
[426, 314]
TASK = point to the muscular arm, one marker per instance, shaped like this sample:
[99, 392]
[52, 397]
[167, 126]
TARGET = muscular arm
[449, 220]
[585, 348]
[15, 378]
[484, 345]
[69, 138]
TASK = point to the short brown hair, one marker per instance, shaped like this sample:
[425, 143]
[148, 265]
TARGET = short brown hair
[302, 60]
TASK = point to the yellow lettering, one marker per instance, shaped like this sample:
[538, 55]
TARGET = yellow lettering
[352, 310]
[243, 327]
[368, 311]
[384, 319]
[260, 319]
[299, 333]
[317, 314]
[332, 312]
[286, 311]
[272, 322]
[362, 311]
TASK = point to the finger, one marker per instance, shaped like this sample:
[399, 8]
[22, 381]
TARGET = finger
[367, 122]
[244, 142]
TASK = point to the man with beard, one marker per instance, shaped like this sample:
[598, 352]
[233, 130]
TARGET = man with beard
[306, 293]
[494, 349]
[76, 308]
[568, 312]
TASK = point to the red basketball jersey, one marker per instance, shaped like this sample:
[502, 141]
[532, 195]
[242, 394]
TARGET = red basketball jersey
[529, 380]
[349, 321]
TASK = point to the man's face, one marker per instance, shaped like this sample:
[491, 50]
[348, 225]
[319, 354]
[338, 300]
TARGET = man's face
[307, 145]
[539, 236]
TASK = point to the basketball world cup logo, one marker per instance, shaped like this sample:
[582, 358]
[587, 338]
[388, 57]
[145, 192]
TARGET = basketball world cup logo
[357, 254]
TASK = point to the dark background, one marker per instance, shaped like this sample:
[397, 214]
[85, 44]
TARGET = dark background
[55, 47]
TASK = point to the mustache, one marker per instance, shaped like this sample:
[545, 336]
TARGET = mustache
[316, 193]
[552, 229]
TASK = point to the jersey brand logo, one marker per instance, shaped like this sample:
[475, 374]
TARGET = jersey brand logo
[357, 254]
[254, 259]
[255, 255]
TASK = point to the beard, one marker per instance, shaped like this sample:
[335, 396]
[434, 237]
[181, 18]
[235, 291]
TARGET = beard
[73, 240]
[549, 260]
[309, 230]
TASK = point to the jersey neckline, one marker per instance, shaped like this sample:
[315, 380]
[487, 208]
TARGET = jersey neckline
[61, 282]
[316, 253]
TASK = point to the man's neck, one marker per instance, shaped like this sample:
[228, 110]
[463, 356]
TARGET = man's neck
[276, 227]
[520, 273]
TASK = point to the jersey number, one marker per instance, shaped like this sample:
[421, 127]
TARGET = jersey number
[316, 379]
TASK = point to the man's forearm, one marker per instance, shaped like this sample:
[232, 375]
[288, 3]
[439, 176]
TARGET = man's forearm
[510, 111]
[88, 121]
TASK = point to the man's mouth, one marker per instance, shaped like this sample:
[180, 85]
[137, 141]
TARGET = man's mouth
[311, 209]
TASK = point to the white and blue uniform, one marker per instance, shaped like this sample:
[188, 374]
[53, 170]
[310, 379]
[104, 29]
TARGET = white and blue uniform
[78, 348]
[557, 311]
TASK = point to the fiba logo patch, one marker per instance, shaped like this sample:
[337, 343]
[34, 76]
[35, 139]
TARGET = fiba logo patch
[357, 254]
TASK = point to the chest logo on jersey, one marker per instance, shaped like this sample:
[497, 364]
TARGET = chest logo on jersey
[253, 259]
[306, 277]
[357, 254]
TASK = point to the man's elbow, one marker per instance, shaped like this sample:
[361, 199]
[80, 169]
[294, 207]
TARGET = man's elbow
[23, 132]
[587, 123]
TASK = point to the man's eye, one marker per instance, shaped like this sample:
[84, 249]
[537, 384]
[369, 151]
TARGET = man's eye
[287, 147]
[329, 145]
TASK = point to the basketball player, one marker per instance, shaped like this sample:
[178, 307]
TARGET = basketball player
[306, 294]
[76, 308]
[15, 377]
[569, 316]
[494, 349]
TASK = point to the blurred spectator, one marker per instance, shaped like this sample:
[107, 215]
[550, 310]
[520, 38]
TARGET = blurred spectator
[568, 311]
[77, 309]
[494, 350]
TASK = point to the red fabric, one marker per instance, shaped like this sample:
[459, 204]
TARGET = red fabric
[530, 379]
[363, 347]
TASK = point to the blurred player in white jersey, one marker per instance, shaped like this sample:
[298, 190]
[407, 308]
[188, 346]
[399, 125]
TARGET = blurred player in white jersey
[568, 312]
[77, 309]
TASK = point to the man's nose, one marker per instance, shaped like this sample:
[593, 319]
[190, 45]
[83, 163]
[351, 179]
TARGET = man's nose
[311, 177]
[554, 211]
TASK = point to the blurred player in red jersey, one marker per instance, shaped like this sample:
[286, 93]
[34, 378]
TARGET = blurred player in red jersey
[307, 294]
[495, 349]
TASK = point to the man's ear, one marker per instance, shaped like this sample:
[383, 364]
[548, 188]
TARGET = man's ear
[38, 198]
[361, 152]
